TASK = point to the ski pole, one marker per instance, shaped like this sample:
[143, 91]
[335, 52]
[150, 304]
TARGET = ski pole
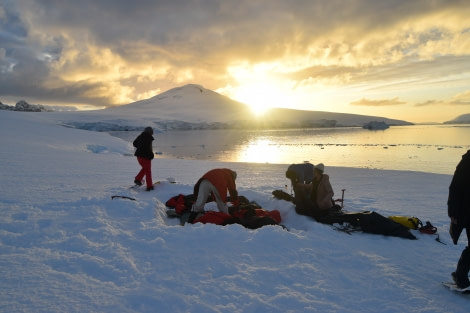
[342, 198]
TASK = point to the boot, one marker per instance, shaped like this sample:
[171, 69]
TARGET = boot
[460, 276]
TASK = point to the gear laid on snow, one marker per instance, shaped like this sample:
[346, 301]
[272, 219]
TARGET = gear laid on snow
[428, 228]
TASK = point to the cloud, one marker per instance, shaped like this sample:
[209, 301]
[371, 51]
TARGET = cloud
[429, 103]
[111, 52]
[461, 98]
[378, 103]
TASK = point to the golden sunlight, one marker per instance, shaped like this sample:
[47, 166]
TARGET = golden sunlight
[260, 86]
[260, 151]
[261, 96]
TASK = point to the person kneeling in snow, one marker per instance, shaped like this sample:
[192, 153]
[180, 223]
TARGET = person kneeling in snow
[320, 202]
[216, 182]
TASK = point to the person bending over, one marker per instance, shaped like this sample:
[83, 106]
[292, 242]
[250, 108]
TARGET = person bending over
[216, 183]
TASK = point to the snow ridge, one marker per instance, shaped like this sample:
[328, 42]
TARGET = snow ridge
[195, 107]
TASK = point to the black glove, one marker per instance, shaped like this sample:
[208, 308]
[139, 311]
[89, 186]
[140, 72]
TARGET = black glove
[454, 231]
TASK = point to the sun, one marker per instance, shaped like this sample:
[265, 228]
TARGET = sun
[261, 86]
[261, 96]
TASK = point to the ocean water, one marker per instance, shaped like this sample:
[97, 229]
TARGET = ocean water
[424, 148]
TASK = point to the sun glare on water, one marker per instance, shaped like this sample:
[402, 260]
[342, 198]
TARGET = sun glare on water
[260, 151]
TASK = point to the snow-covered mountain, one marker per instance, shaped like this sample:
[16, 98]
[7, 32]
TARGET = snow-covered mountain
[325, 119]
[190, 103]
[462, 119]
[195, 107]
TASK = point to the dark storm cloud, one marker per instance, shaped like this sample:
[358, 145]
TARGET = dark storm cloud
[208, 25]
[12, 36]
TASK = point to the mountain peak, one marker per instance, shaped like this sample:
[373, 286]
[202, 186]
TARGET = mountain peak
[190, 103]
[189, 89]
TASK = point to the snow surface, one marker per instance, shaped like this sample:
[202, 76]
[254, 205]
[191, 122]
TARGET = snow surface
[66, 246]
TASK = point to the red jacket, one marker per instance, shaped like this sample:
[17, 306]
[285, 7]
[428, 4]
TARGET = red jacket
[219, 218]
[223, 180]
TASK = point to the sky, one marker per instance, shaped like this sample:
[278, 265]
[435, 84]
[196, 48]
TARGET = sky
[399, 59]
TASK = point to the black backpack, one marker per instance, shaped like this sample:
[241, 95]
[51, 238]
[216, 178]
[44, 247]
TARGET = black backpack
[300, 173]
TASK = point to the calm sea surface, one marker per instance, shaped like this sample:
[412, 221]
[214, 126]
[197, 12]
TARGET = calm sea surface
[425, 148]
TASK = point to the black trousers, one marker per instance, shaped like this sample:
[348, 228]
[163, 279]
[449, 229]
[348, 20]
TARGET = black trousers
[463, 266]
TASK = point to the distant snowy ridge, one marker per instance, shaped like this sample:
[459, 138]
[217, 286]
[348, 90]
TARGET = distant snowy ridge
[462, 119]
[24, 106]
[193, 107]
[312, 119]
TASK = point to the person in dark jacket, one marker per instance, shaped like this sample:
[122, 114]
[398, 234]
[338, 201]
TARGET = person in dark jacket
[144, 154]
[458, 206]
[299, 176]
[216, 182]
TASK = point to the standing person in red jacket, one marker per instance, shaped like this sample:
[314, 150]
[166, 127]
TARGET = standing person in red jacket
[144, 154]
[216, 182]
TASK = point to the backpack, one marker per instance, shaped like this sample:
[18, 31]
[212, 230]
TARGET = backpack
[407, 221]
[137, 142]
[282, 195]
[252, 216]
[300, 173]
[368, 222]
[181, 203]
[374, 223]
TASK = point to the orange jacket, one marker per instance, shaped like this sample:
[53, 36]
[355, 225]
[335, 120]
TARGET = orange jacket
[222, 179]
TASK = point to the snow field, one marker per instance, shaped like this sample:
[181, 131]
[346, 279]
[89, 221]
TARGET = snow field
[66, 246]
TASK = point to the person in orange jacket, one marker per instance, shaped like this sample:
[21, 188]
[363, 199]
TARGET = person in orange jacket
[216, 182]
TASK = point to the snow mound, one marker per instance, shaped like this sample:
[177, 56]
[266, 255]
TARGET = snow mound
[97, 148]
